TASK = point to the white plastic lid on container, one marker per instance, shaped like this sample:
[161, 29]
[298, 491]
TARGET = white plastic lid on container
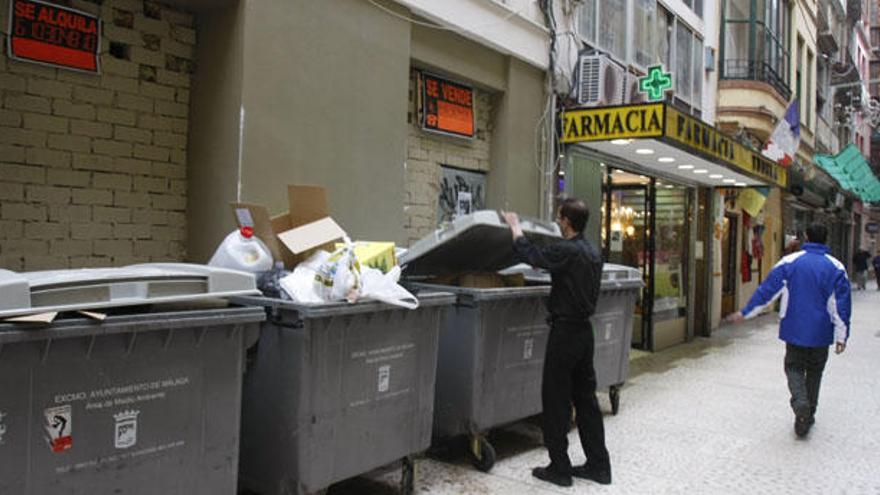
[93, 288]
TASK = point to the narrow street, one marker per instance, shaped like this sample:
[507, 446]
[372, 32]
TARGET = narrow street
[710, 416]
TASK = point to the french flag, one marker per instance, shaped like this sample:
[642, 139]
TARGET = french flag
[783, 143]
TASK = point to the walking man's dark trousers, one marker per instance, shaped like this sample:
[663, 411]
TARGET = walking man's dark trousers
[803, 368]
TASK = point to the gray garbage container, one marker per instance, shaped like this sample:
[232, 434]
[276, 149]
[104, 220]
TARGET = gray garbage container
[492, 342]
[612, 323]
[491, 360]
[612, 327]
[139, 403]
[337, 390]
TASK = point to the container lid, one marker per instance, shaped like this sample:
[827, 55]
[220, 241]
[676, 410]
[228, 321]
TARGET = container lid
[426, 299]
[478, 242]
[613, 276]
[75, 290]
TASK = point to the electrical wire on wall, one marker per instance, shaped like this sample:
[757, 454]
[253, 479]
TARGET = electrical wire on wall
[559, 87]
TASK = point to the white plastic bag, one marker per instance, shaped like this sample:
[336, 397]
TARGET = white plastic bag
[384, 287]
[339, 276]
[301, 285]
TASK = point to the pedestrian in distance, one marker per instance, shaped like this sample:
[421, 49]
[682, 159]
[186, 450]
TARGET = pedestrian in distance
[569, 377]
[860, 265]
[814, 312]
[876, 263]
[792, 245]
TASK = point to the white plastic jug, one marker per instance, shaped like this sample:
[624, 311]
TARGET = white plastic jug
[242, 251]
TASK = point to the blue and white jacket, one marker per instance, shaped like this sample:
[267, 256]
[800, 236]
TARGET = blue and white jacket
[815, 291]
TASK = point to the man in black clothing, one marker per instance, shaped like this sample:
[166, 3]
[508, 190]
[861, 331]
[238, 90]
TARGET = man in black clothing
[569, 377]
[860, 265]
[876, 263]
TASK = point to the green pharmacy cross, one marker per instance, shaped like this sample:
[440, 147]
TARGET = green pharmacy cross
[656, 83]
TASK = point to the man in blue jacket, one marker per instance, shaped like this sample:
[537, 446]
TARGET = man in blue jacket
[815, 312]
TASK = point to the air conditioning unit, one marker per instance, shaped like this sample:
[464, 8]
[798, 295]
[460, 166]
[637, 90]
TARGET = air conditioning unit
[601, 81]
[631, 92]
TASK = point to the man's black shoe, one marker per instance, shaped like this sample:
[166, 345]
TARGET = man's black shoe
[550, 475]
[601, 476]
[802, 424]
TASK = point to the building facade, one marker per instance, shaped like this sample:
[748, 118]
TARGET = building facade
[201, 103]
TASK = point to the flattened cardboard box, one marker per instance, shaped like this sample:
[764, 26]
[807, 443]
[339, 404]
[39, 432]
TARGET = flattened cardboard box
[293, 236]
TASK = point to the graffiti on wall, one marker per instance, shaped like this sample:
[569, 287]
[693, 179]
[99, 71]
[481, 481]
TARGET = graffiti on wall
[461, 192]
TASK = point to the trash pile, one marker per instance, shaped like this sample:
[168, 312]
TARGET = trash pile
[305, 256]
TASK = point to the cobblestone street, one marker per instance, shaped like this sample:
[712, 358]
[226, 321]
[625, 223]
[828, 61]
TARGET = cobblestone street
[710, 416]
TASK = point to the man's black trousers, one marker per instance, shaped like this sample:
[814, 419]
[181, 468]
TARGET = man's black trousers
[569, 378]
[803, 368]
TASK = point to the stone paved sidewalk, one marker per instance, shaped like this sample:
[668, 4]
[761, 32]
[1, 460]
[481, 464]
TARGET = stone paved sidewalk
[710, 416]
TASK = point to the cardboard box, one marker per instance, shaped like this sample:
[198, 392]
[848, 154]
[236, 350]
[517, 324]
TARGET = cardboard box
[293, 236]
[378, 255]
[481, 280]
[477, 280]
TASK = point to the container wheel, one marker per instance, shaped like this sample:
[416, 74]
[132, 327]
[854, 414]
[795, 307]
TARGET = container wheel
[614, 395]
[482, 454]
[408, 476]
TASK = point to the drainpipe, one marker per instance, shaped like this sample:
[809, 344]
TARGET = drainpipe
[547, 181]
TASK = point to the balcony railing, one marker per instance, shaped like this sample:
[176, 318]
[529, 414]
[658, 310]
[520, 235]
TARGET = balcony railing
[756, 71]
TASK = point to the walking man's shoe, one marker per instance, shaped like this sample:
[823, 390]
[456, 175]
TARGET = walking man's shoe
[601, 476]
[551, 475]
[802, 423]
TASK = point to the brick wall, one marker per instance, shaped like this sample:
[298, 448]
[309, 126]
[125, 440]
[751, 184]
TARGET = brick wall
[426, 152]
[93, 168]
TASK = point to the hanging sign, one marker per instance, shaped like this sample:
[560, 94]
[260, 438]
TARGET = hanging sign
[606, 123]
[447, 107]
[666, 123]
[656, 83]
[54, 35]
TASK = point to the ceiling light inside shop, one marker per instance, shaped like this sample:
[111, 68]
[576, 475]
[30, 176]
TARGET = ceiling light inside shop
[669, 186]
[620, 142]
[729, 181]
[645, 151]
[740, 184]
[701, 171]
[716, 176]
[685, 167]
[666, 159]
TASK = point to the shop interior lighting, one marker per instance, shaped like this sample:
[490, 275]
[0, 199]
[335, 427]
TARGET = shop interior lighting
[685, 167]
[729, 181]
[740, 184]
[620, 142]
[645, 151]
[716, 176]
[666, 159]
[701, 171]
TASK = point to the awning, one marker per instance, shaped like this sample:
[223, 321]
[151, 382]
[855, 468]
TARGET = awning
[850, 169]
[659, 137]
